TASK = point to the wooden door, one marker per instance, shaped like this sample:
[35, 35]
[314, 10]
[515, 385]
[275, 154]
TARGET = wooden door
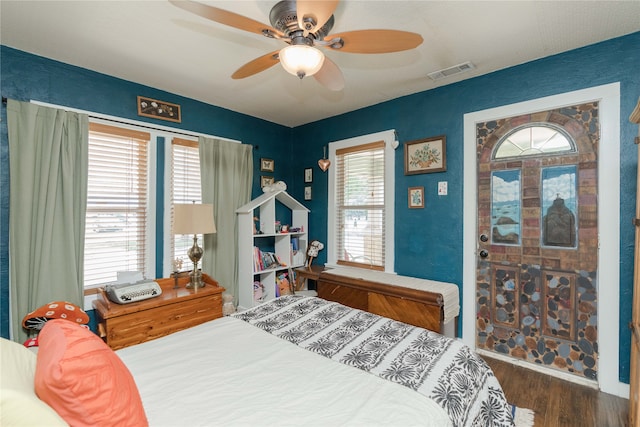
[634, 395]
[537, 237]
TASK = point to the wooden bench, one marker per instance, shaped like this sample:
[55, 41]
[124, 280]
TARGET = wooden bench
[419, 302]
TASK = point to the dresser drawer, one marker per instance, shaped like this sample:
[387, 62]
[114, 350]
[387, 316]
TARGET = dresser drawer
[157, 322]
[174, 310]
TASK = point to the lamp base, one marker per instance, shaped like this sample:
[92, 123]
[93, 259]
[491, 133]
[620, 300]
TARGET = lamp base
[195, 253]
[196, 280]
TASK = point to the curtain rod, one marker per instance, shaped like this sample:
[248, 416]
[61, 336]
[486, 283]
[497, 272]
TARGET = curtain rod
[173, 130]
[141, 126]
[4, 101]
[157, 129]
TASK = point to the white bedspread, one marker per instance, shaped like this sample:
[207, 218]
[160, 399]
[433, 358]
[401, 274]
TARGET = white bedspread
[230, 373]
[433, 365]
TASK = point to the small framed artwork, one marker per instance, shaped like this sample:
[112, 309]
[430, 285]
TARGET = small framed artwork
[308, 175]
[266, 180]
[153, 108]
[425, 155]
[416, 197]
[307, 192]
[267, 165]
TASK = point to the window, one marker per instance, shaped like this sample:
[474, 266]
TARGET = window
[185, 188]
[130, 183]
[533, 140]
[361, 202]
[117, 220]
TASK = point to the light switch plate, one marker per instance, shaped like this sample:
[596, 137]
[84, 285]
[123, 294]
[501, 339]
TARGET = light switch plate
[442, 188]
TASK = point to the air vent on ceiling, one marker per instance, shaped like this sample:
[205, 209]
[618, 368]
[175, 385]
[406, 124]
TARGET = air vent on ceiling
[447, 72]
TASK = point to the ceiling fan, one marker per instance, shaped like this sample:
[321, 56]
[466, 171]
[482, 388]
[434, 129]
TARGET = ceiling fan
[305, 25]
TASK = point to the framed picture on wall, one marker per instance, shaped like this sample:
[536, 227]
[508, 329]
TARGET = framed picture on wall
[266, 180]
[425, 155]
[267, 165]
[416, 197]
[307, 192]
[308, 175]
[148, 107]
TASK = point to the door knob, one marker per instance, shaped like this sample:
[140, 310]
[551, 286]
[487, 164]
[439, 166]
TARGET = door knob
[484, 254]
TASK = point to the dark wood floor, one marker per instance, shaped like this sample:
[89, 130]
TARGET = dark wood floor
[557, 402]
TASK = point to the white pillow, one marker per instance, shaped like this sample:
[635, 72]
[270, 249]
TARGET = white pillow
[19, 404]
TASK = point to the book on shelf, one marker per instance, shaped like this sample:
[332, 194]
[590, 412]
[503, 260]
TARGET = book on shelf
[266, 260]
[297, 258]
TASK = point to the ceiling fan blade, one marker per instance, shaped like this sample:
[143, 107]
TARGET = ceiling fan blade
[257, 65]
[225, 17]
[318, 11]
[330, 75]
[376, 41]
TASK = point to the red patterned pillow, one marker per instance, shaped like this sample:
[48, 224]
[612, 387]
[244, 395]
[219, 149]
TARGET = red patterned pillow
[84, 380]
[54, 310]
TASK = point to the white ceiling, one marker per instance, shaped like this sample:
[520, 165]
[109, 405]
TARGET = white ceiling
[157, 44]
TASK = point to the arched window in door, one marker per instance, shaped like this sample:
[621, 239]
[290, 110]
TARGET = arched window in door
[533, 139]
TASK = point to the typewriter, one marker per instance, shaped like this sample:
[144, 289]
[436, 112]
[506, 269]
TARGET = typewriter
[132, 292]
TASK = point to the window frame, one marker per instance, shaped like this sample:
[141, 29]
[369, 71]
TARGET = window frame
[170, 241]
[150, 224]
[388, 137]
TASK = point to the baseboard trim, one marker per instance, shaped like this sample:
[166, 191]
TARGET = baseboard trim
[621, 391]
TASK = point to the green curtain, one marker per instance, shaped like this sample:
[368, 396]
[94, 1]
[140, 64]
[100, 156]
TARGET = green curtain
[48, 161]
[226, 170]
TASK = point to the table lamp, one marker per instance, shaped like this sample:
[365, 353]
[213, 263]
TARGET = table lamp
[194, 219]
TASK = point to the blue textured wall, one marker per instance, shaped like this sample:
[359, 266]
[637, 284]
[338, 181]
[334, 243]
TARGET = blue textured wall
[428, 241]
[27, 77]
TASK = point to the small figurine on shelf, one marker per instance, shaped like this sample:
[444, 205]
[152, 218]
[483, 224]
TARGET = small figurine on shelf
[312, 251]
[177, 266]
[256, 220]
[276, 186]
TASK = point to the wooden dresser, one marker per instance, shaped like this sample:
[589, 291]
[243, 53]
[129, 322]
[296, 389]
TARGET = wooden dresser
[122, 325]
[385, 295]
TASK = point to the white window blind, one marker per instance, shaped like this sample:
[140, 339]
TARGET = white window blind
[117, 200]
[360, 200]
[185, 188]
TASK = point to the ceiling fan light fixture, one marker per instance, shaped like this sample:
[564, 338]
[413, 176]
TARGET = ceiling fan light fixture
[301, 60]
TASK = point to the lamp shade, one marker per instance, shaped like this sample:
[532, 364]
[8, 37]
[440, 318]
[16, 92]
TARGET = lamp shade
[301, 60]
[193, 219]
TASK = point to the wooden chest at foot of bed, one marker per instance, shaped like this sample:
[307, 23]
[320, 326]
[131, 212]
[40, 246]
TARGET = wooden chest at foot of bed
[384, 295]
[174, 310]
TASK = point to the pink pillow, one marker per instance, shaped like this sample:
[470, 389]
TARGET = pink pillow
[84, 380]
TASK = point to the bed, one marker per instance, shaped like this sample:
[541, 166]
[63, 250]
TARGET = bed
[303, 360]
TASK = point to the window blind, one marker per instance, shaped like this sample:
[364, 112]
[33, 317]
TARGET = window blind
[117, 200]
[360, 215]
[185, 188]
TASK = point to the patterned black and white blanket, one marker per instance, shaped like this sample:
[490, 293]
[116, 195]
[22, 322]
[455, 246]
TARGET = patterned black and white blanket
[444, 370]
